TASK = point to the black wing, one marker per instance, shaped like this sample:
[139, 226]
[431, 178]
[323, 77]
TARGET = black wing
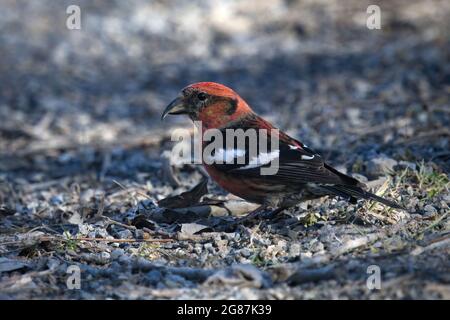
[290, 160]
[297, 164]
[294, 163]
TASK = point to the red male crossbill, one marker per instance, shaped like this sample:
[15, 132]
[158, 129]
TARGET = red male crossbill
[301, 173]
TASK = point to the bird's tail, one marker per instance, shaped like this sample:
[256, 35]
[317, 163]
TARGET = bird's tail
[352, 192]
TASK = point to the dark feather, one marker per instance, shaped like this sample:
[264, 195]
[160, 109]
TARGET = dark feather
[298, 167]
[357, 192]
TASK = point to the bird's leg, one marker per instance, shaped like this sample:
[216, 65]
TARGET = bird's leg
[258, 212]
[251, 215]
[261, 212]
[230, 226]
[273, 213]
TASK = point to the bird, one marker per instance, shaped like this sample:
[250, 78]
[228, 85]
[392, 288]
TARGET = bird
[301, 173]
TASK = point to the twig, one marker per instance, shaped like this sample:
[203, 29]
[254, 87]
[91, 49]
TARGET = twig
[112, 221]
[301, 276]
[45, 185]
[60, 143]
[357, 243]
[104, 240]
[445, 242]
[168, 172]
[49, 238]
[129, 191]
[424, 135]
[364, 131]
[434, 224]
[101, 207]
[382, 218]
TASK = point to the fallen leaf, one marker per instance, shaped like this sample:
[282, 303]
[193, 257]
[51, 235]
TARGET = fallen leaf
[186, 199]
[5, 211]
[240, 275]
[141, 221]
[7, 264]
[192, 228]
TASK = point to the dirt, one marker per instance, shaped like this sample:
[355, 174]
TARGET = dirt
[83, 153]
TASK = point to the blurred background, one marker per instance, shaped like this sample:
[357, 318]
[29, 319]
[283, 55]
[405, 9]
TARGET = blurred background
[81, 141]
[313, 67]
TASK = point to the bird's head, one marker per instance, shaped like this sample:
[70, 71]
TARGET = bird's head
[212, 103]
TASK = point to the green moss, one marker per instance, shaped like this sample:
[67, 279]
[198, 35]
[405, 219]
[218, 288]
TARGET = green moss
[258, 261]
[431, 181]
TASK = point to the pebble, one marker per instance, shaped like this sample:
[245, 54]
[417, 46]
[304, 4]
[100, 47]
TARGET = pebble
[174, 281]
[125, 234]
[198, 248]
[245, 252]
[102, 233]
[105, 256]
[222, 246]
[209, 247]
[429, 210]
[139, 234]
[57, 199]
[360, 177]
[84, 229]
[305, 255]
[117, 253]
[380, 166]
[53, 263]
[87, 195]
[294, 250]
[154, 277]
[406, 164]
[446, 198]
[316, 246]
[125, 259]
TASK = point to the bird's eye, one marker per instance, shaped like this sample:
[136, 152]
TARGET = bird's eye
[201, 96]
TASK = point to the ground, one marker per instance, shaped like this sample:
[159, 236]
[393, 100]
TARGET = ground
[84, 156]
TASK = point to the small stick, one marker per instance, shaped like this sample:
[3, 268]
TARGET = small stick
[46, 238]
[444, 242]
[112, 221]
[106, 240]
[435, 223]
[129, 191]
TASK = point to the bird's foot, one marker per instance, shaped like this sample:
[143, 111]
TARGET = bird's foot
[258, 214]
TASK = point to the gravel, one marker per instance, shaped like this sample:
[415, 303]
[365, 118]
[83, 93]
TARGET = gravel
[83, 153]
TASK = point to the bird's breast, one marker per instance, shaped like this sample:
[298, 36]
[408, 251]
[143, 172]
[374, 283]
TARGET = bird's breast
[250, 189]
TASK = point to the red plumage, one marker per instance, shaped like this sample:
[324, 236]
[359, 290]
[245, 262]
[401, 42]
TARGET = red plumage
[302, 174]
